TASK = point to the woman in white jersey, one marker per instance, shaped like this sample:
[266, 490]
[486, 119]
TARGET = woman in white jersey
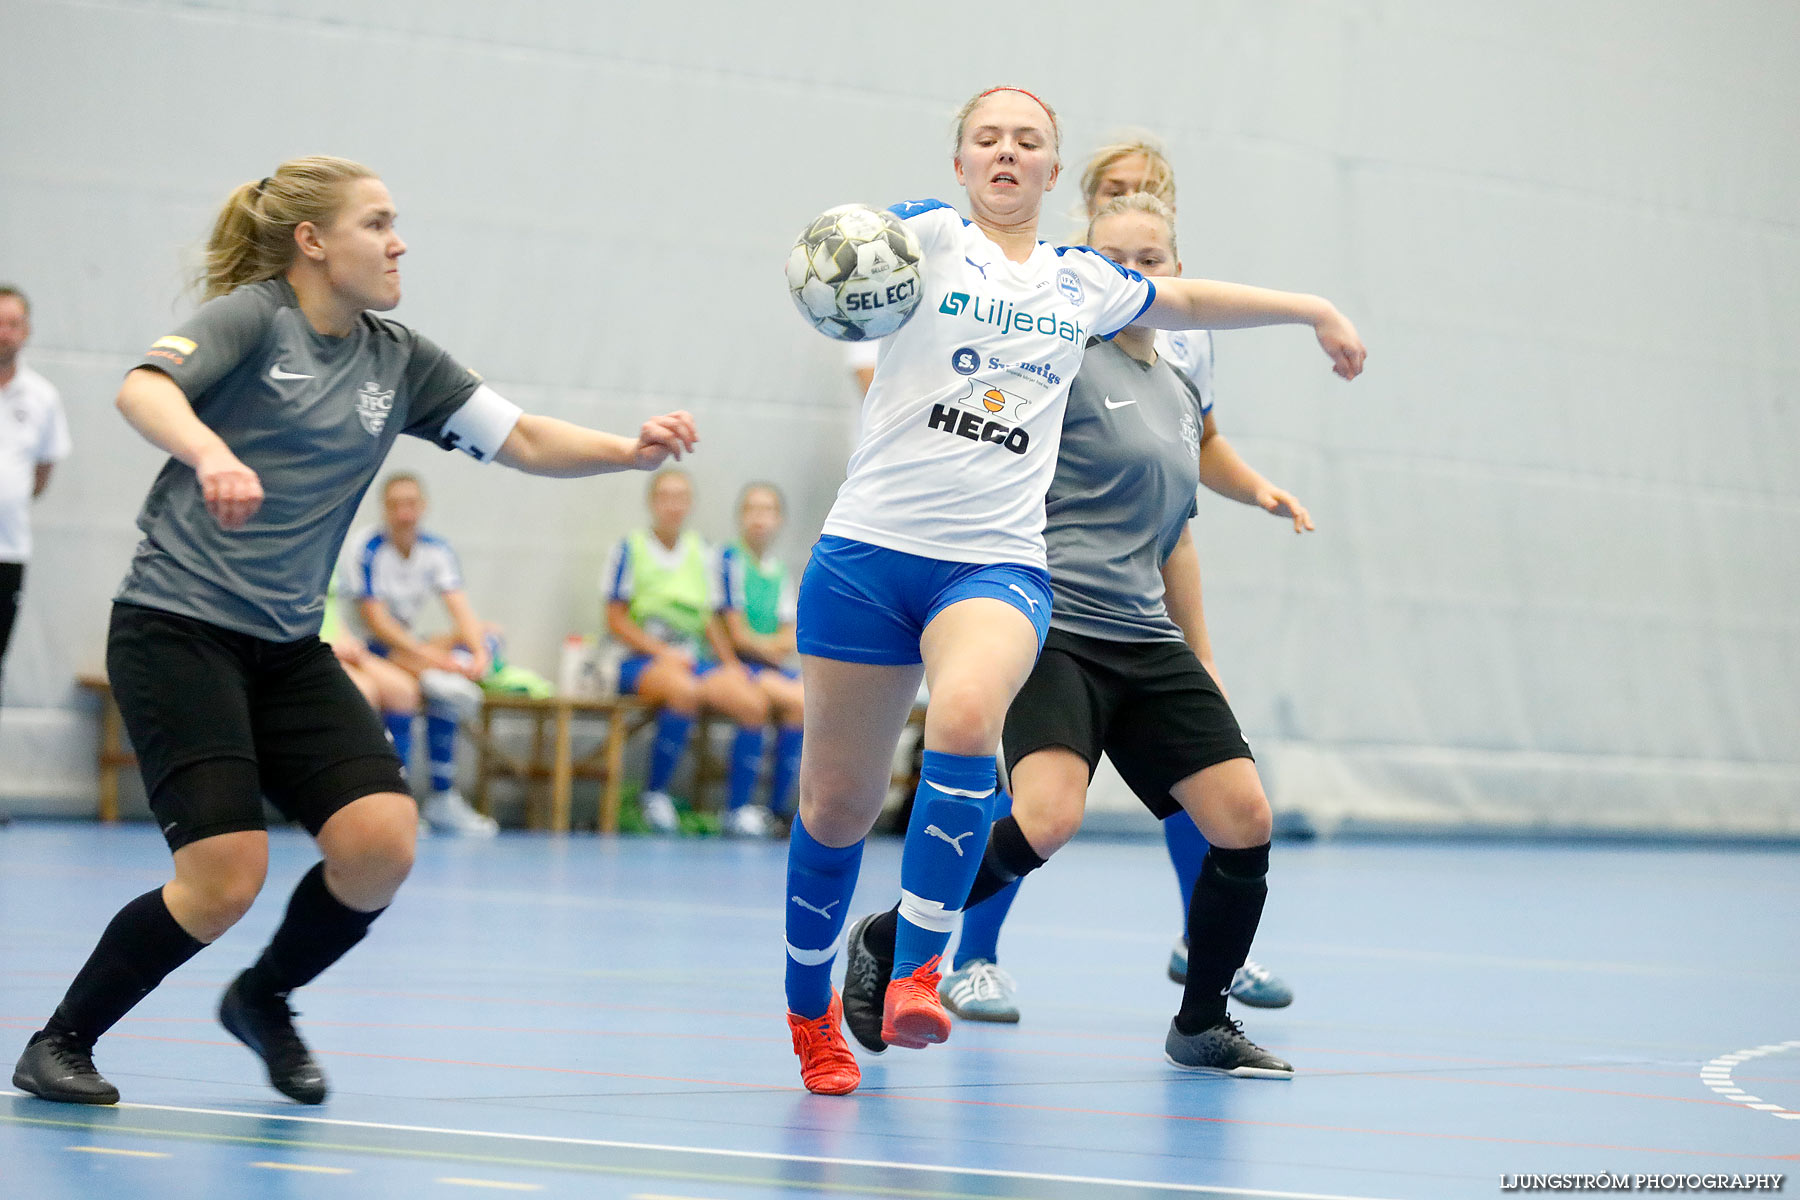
[932, 558]
[977, 989]
[276, 402]
[1125, 670]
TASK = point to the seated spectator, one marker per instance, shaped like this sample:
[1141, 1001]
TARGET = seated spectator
[758, 599]
[391, 573]
[661, 605]
[391, 691]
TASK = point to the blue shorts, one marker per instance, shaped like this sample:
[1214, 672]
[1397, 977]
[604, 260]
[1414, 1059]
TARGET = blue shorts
[757, 670]
[630, 670]
[867, 604]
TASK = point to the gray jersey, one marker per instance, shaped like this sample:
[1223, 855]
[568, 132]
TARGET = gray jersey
[313, 416]
[1124, 489]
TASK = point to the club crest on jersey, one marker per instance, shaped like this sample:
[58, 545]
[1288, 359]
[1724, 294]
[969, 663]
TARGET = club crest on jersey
[1190, 435]
[373, 407]
[1069, 284]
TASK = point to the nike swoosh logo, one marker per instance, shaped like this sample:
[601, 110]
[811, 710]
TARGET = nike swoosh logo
[1121, 404]
[275, 372]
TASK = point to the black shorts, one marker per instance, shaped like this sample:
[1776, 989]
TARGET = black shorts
[1149, 706]
[275, 719]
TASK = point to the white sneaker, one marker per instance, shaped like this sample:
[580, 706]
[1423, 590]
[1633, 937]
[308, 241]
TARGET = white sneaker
[448, 812]
[457, 694]
[750, 821]
[981, 991]
[659, 812]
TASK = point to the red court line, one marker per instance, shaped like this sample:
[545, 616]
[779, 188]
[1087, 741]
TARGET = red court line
[883, 1094]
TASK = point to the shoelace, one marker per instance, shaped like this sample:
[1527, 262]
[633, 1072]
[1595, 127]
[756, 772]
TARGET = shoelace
[70, 1053]
[820, 1031]
[986, 981]
[1254, 971]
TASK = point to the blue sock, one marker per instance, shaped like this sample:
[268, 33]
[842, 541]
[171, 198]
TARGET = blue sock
[746, 765]
[440, 747]
[787, 769]
[1187, 850]
[980, 936]
[944, 844]
[672, 730]
[399, 731]
[819, 883]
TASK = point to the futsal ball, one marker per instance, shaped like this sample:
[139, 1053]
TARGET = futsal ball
[855, 273]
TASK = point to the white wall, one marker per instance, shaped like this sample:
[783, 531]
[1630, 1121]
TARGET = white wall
[1554, 583]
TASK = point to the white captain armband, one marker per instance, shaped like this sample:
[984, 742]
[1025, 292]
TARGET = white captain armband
[481, 426]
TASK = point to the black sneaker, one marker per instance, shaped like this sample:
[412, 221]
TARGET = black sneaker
[267, 1027]
[58, 1067]
[866, 977]
[1223, 1050]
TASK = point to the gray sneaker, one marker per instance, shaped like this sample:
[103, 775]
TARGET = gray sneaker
[1223, 1050]
[981, 991]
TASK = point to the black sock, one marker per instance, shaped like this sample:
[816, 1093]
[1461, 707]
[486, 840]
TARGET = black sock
[1223, 914]
[318, 930]
[140, 946]
[1008, 856]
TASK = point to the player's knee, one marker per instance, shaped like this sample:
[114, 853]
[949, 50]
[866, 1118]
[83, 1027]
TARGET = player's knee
[1242, 817]
[401, 694]
[380, 861]
[963, 719]
[214, 900]
[1049, 822]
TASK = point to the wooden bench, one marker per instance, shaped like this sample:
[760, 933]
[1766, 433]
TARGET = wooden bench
[552, 754]
[114, 755]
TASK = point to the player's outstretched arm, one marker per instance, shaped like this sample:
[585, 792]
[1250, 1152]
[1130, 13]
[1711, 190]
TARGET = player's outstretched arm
[540, 445]
[1209, 304]
[158, 409]
[1223, 470]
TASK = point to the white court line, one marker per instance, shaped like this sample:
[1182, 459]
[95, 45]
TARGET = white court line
[305, 1167]
[1717, 1076]
[1198, 1189]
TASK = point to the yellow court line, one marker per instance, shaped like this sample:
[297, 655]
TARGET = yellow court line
[115, 1150]
[281, 1166]
[495, 1183]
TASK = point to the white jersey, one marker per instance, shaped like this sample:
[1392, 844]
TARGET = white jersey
[960, 428]
[373, 567]
[1190, 351]
[33, 431]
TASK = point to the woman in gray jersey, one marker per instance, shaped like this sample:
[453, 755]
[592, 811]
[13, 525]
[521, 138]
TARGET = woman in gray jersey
[276, 401]
[1122, 672]
[978, 989]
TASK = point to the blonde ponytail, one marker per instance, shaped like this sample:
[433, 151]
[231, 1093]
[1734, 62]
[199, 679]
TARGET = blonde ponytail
[253, 236]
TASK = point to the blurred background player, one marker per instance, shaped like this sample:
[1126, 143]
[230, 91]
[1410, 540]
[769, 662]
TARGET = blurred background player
[980, 990]
[34, 437]
[757, 603]
[391, 574]
[390, 690]
[662, 602]
[932, 559]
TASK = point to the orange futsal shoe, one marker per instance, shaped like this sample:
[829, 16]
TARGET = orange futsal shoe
[827, 1067]
[912, 1016]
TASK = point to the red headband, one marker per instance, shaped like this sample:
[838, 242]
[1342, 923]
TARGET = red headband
[1009, 88]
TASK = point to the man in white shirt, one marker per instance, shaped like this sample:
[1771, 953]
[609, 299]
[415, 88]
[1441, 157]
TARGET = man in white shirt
[34, 437]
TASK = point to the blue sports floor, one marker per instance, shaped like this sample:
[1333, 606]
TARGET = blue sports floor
[590, 1017]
